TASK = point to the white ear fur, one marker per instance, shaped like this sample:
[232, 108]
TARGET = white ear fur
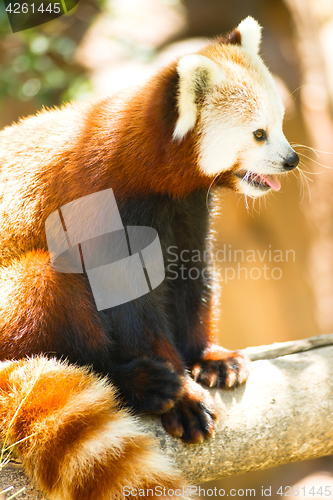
[250, 31]
[196, 72]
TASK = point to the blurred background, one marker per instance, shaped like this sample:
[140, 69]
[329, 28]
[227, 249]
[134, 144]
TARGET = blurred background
[277, 279]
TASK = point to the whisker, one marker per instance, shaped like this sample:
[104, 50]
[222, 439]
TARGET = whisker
[305, 181]
[245, 178]
[314, 161]
[238, 202]
[209, 190]
[294, 145]
[306, 162]
[246, 202]
[296, 90]
[302, 190]
[316, 151]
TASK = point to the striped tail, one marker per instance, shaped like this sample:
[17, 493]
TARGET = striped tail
[74, 439]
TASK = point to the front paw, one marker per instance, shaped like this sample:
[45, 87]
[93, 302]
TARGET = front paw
[193, 418]
[148, 385]
[221, 368]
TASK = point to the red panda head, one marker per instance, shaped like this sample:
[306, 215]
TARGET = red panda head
[228, 98]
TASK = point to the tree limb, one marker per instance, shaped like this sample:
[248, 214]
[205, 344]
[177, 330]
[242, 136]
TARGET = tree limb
[283, 348]
[284, 413]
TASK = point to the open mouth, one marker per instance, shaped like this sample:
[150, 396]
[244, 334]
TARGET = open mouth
[259, 181]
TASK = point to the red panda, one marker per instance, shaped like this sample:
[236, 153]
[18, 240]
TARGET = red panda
[213, 118]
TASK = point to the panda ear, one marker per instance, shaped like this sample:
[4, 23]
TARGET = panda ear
[197, 73]
[250, 31]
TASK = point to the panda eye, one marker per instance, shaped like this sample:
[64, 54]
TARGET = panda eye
[260, 135]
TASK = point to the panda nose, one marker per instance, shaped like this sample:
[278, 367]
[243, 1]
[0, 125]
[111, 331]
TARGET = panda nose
[291, 161]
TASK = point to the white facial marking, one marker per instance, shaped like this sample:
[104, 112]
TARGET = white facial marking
[250, 31]
[196, 73]
[218, 150]
[246, 102]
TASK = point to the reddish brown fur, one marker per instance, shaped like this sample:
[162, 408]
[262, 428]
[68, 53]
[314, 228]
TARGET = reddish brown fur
[163, 349]
[31, 280]
[133, 147]
[232, 38]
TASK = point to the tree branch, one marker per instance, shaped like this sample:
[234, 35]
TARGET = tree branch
[284, 413]
[283, 348]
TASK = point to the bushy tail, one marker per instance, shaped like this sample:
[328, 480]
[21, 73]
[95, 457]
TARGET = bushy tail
[78, 444]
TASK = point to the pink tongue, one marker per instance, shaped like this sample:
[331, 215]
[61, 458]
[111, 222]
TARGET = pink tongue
[272, 181]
